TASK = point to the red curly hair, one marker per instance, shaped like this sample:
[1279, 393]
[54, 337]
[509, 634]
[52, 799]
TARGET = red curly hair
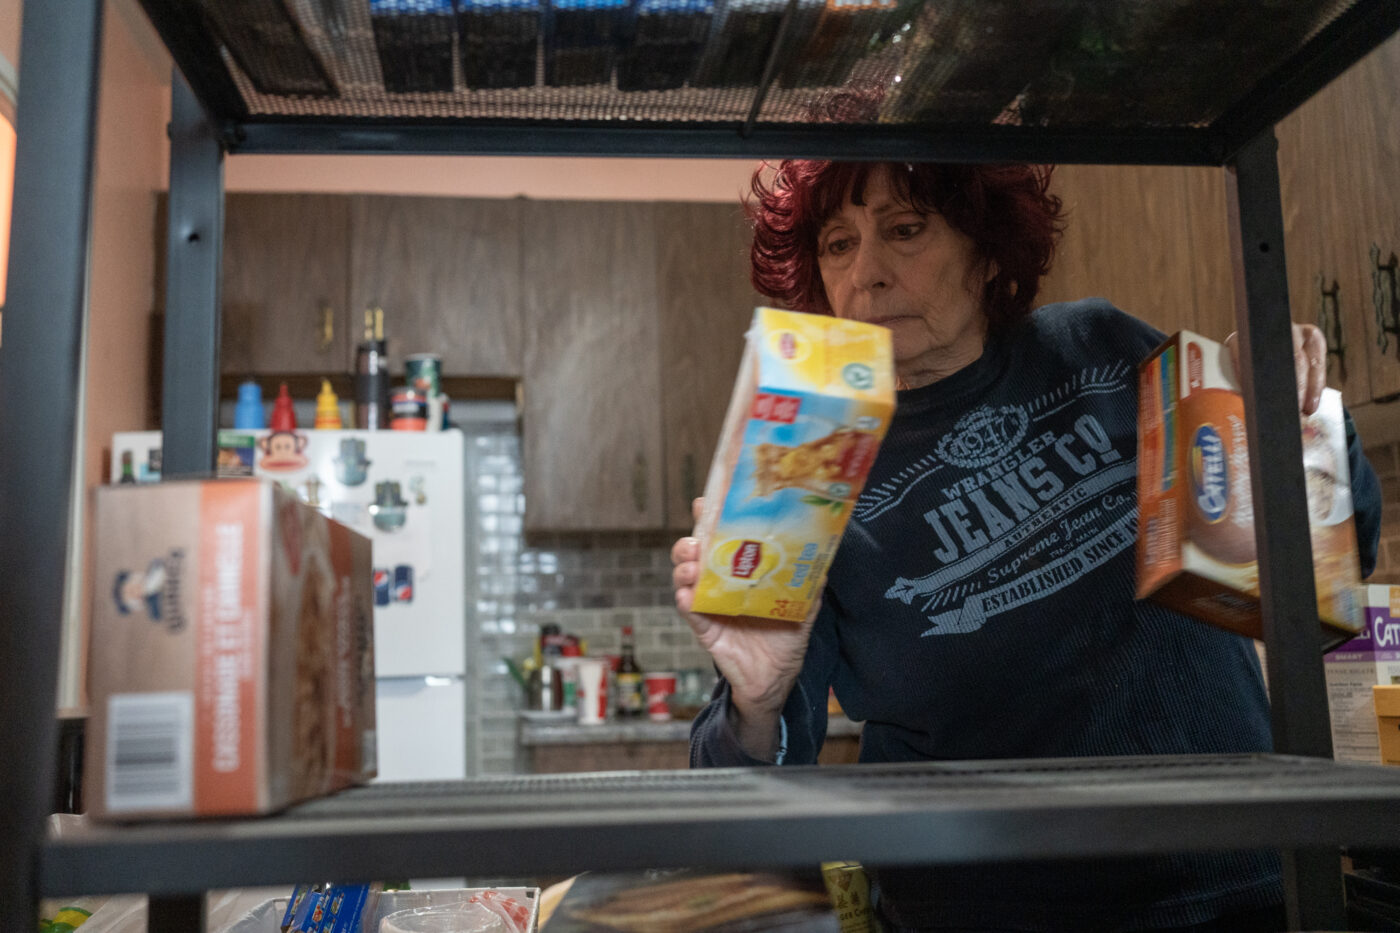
[1007, 210]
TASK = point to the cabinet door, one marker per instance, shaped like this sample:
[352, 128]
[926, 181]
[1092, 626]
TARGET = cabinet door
[1321, 213]
[706, 303]
[1125, 240]
[446, 271]
[1368, 108]
[592, 393]
[284, 284]
[1212, 267]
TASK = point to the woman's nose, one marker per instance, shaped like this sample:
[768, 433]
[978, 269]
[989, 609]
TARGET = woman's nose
[868, 268]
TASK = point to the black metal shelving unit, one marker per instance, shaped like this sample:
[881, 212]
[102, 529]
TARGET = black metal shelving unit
[1197, 82]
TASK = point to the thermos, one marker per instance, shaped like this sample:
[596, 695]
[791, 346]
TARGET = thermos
[372, 375]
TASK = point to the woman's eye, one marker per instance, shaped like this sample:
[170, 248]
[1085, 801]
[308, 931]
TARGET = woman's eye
[907, 231]
[838, 245]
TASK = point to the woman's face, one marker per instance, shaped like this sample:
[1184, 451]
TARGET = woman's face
[886, 263]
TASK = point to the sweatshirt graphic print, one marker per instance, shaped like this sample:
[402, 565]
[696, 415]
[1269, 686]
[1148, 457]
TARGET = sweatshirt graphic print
[1027, 505]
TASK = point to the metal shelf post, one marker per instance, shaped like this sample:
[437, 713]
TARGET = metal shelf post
[194, 249]
[1288, 596]
[40, 375]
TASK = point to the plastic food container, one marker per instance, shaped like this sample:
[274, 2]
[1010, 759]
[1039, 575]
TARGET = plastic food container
[458, 918]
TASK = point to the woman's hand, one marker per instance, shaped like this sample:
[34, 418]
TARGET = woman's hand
[760, 658]
[1309, 364]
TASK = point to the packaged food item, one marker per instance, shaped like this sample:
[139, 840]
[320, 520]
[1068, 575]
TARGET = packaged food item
[664, 43]
[811, 404]
[1371, 658]
[849, 888]
[741, 37]
[837, 34]
[498, 41]
[581, 40]
[269, 44]
[1387, 700]
[413, 39]
[1195, 549]
[409, 409]
[232, 652]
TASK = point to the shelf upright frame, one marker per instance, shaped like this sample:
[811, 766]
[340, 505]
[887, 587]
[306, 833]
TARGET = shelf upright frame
[1288, 597]
[41, 367]
[194, 251]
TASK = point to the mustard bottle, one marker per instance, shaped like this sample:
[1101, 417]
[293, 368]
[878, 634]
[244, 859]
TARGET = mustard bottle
[327, 407]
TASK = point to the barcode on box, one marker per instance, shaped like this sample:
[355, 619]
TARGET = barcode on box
[150, 738]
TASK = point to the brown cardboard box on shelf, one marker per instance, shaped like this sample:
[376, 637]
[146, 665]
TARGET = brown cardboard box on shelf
[1195, 549]
[1388, 721]
[231, 663]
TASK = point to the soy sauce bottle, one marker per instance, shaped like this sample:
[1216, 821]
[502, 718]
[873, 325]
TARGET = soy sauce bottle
[631, 691]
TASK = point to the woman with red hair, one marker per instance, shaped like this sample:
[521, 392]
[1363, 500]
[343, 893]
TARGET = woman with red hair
[981, 604]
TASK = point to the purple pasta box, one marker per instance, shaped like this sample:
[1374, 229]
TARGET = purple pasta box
[1353, 668]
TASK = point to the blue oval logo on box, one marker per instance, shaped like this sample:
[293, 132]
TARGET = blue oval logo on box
[1210, 473]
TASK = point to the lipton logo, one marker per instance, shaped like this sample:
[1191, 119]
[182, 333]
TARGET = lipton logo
[1210, 473]
[984, 435]
[747, 559]
[787, 345]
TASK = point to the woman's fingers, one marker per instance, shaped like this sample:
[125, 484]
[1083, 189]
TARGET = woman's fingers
[685, 550]
[1310, 364]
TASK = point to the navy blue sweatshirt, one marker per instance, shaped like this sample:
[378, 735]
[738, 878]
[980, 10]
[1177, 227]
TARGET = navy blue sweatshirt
[981, 606]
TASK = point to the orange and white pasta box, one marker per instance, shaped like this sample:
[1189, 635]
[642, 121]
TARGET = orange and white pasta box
[231, 658]
[811, 404]
[1195, 549]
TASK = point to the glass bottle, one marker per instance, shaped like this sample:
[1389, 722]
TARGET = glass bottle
[631, 691]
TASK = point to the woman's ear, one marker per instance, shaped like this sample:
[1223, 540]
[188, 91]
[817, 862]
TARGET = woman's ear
[992, 271]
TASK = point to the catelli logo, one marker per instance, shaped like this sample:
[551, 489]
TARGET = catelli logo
[1210, 473]
[984, 435]
[787, 345]
[746, 559]
[1387, 633]
[154, 592]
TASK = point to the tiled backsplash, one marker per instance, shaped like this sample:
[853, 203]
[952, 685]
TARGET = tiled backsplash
[589, 585]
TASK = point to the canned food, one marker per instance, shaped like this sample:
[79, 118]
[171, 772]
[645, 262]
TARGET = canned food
[408, 410]
[423, 372]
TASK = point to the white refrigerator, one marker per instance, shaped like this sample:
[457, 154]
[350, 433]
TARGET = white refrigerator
[405, 490]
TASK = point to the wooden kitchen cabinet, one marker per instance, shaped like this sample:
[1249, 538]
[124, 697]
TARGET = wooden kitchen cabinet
[1320, 215]
[1125, 240]
[284, 288]
[1369, 110]
[447, 273]
[705, 304]
[591, 421]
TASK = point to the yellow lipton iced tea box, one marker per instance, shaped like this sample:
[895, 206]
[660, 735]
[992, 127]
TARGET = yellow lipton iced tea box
[812, 401]
[1195, 549]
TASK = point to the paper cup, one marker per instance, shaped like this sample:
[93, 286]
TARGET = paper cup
[592, 691]
[660, 688]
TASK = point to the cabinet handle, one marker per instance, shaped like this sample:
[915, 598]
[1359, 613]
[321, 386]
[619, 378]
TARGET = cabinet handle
[1329, 321]
[689, 483]
[1385, 299]
[639, 482]
[327, 328]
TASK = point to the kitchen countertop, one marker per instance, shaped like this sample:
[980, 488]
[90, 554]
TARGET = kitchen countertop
[561, 731]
